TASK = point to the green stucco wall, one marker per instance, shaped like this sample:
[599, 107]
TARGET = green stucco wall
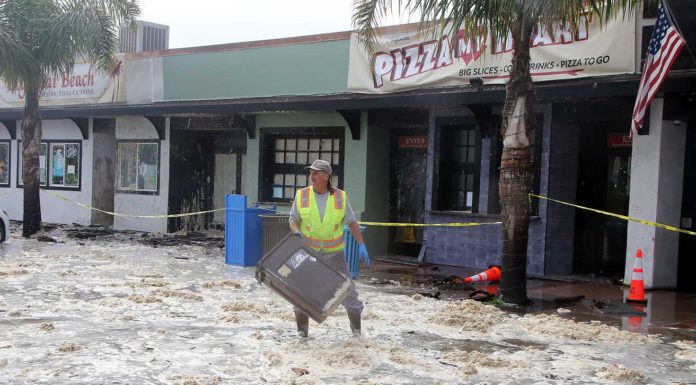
[355, 156]
[300, 69]
[377, 177]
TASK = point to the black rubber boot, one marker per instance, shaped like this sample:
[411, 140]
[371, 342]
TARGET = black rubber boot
[354, 319]
[302, 324]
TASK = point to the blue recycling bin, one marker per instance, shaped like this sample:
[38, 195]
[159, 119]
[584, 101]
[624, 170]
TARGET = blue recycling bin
[243, 231]
[352, 251]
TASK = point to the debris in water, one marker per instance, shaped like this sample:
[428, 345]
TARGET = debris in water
[225, 283]
[141, 274]
[13, 272]
[87, 233]
[137, 298]
[148, 282]
[69, 347]
[471, 315]
[300, 371]
[45, 238]
[47, 326]
[177, 294]
[621, 373]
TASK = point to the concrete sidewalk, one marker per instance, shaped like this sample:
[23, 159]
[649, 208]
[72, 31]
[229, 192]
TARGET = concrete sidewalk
[668, 313]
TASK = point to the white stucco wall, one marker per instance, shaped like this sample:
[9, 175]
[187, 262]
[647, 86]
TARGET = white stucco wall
[53, 209]
[133, 128]
[144, 81]
[657, 175]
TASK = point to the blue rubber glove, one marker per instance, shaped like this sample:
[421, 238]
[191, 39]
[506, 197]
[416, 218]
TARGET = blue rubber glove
[363, 254]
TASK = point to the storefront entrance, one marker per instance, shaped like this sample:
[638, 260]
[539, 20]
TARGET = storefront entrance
[408, 173]
[603, 183]
[687, 243]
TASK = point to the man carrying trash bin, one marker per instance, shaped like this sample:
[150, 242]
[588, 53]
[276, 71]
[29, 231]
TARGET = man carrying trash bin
[317, 216]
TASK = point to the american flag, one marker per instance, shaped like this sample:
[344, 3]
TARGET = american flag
[665, 44]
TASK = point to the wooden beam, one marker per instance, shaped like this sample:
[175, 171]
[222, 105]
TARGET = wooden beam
[83, 125]
[352, 118]
[483, 114]
[246, 122]
[11, 125]
[160, 125]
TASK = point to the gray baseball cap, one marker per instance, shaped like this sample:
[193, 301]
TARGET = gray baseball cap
[320, 165]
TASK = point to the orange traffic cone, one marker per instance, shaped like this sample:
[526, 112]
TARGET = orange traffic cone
[636, 293]
[492, 275]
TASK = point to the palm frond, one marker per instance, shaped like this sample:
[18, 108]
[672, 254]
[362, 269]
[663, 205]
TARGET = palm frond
[480, 17]
[366, 18]
[87, 28]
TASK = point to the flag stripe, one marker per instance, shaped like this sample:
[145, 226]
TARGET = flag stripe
[664, 47]
[658, 71]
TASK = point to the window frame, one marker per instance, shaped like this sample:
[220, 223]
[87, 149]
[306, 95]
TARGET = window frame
[118, 189]
[268, 167]
[440, 198]
[8, 166]
[47, 164]
[49, 160]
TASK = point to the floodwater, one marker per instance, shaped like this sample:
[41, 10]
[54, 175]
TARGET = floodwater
[114, 311]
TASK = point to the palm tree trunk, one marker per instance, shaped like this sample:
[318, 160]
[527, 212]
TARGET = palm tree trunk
[516, 169]
[31, 140]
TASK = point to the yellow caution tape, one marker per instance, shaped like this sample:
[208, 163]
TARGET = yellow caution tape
[130, 215]
[459, 224]
[386, 224]
[624, 217]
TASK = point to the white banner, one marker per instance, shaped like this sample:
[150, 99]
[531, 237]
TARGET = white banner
[409, 60]
[84, 85]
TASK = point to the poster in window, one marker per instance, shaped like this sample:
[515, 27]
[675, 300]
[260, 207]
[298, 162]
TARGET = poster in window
[57, 164]
[72, 165]
[147, 167]
[4, 164]
[43, 174]
[126, 165]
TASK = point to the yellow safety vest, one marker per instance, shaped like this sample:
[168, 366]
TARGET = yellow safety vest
[326, 235]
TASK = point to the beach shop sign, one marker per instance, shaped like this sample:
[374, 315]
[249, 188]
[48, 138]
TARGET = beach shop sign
[84, 85]
[407, 59]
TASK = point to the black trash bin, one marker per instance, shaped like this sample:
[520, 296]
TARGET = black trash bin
[275, 228]
[295, 272]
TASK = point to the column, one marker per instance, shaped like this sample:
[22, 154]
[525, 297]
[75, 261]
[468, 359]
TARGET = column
[657, 176]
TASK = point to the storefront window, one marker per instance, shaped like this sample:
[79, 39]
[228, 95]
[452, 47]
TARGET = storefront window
[138, 166]
[59, 164]
[5, 163]
[459, 167]
[290, 155]
[64, 165]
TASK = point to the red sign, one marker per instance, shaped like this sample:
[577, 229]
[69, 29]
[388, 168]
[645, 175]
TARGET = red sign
[413, 142]
[619, 140]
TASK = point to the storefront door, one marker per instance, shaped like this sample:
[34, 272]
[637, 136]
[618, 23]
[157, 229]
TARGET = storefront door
[603, 183]
[407, 197]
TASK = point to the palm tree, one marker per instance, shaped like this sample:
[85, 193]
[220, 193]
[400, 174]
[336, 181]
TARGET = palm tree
[516, 19]
[41, 38]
